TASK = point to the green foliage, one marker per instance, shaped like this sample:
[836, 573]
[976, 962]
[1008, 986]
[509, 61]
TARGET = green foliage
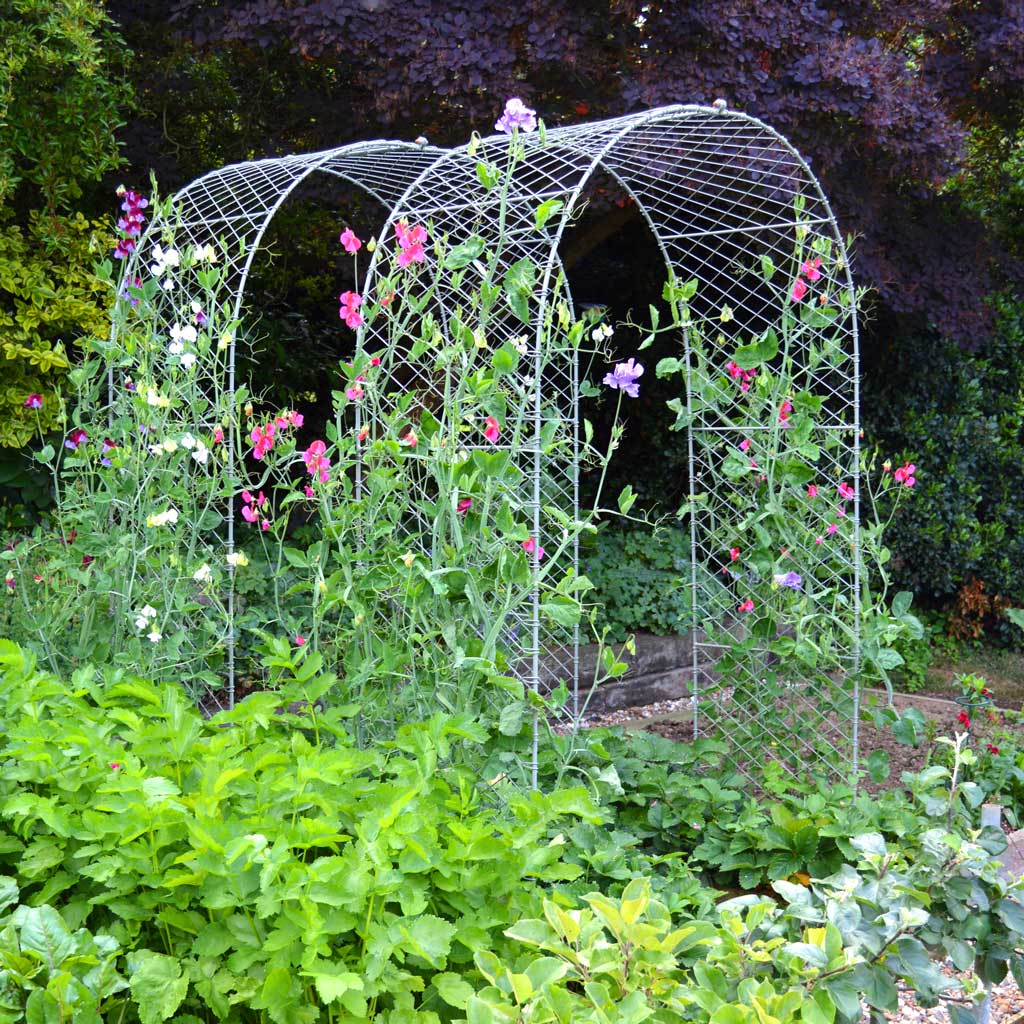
[960, 417]
[641, 580]
[257, 859]
[60, 97]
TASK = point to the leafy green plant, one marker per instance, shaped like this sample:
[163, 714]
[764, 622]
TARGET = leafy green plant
[641, 580]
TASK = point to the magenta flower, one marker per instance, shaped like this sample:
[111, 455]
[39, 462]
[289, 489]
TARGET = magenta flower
[75, 438]
[300, 640]
[845, 491]
[530, 546]
[831, 529]
[624, 377]
[464, 505]
[262, 440]
[33, 402]
[492, 429]
[819, 539]
[745, 444]
[349, 240]
[410, 243]
[811, 268]
[785, 410]
[799, 290]
[355, 391]
[905, 474]
[296, 419]
[309, 491]
[316, 462]
[516, 115]
[747, 606]
[812, 490]
[734, 553]
[743, 376]
[124, 248]
[349, 311]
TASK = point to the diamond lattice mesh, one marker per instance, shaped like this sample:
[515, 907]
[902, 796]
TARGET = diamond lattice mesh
[725, 197]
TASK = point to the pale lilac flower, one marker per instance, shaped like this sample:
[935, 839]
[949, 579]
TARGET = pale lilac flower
[793, 580]
[625, 377]
[516, 115]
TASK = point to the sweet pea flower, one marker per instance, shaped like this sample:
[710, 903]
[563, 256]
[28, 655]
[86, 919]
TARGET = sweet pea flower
[33, 402]
[991, 748]
[410, 243]
[738, 373]
[793, 580]
[309, 492]
[784, 410]
[170, 515]
[300, 640]
[516, 115]
[624, 377]
[812, 491]
[295, 419]
[905, 474]
[464, 505]
[531, 546]
[349, 240]
[845, 491]
[811, 268]
[316, 461]
[734, 553]
[409, 440]
[75, 438]
[799, 290]
[349, 311]
[745, 444]
[492, 429]
[154, 636]
[262, 440]
[202, 574]
[237, 559]
[819, 539]
[364, 431]
[746, 606]
[355, 391]
[831, 529]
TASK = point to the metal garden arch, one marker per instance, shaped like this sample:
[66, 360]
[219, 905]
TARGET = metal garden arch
[728, 201]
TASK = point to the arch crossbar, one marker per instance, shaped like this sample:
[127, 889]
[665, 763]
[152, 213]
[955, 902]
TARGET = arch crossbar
[735, 213]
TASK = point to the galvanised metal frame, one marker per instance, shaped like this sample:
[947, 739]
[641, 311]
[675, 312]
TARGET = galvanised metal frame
[718, 190]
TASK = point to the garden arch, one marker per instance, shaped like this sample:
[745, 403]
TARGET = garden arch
[735, 208]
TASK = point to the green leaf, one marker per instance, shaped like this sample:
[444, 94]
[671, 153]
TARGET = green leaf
[510, 721]
[563, 610]
[8, 892]
[504, 360]
[45, 454]
[909, 727]
[818, 1008]
[546, 211]
[901, 603]
[627, 499]
[157, 985]
[428, 937]
[44, 932]
[462, 255]
[453, 989]
[333, 985]
[878, 765]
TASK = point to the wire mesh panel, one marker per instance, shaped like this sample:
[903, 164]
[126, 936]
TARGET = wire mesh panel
[765, 310]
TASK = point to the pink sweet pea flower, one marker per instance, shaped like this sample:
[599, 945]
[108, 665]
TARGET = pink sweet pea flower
[745, 444]
[810, 268]
[309, 491]
[364, 430]
[218, 435]
[734, 553]
[349, 311]
[33, 402]
[530, 546]
[296, 419]
[845, 491]
[905, 474]
[819, 539]
[75, 438]
[799, 290]
[300, 640]
[316, 462]
[492, 429]
[349, 241]
[831, 529]
[375, 361]
[355, 392]
[747, 606]
[812, 490]
[464, 505]
[262, 440]
[840, 510]
[410, 440]
[785, 410]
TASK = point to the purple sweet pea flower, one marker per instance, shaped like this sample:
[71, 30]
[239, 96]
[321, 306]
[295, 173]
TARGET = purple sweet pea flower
[517, 115]
[793, 580]
[625, 377]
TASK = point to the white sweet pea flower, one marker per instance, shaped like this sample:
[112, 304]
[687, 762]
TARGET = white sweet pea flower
[163, 518]
[176, 348]
[237, 559]
[149, 611]
[188, 441]
[188, 360]
[153, 397]
[204, 254]
[162, 260]
[154, 636]
[187, 333]
[201, 454]
[170, 446]
[202, 574]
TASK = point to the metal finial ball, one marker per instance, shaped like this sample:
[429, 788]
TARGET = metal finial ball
[421, 141]
[720, 104]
